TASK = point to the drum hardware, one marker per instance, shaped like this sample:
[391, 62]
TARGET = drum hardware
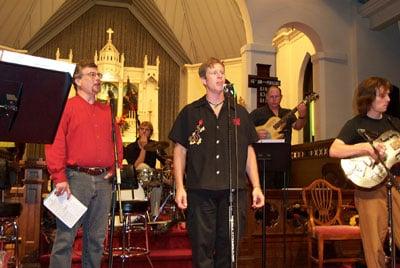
[149, 179]
[169, 199]
[134, 205]
[171, 194]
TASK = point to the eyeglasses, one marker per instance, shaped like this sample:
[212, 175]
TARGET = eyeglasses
[215, 73]
[93, 75]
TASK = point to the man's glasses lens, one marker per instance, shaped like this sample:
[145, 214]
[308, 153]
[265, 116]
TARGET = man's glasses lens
[94, 74]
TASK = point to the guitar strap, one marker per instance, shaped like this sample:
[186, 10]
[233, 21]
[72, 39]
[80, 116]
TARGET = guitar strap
[389, 118]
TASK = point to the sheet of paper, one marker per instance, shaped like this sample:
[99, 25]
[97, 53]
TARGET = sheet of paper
[271, 141]
[68, 211]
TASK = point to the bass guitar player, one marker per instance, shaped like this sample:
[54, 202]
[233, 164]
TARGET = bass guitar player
[271, 111]
[265, 114]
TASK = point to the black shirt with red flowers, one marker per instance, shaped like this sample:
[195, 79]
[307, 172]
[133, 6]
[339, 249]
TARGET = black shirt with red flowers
[205, 136]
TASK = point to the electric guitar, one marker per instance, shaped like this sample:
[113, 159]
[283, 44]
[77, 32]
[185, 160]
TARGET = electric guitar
[364, 171]
[275, 125]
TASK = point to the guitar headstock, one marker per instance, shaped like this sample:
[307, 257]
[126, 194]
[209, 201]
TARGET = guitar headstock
[311, 97]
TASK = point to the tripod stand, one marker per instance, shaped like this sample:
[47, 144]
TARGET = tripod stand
[273, 157]
[170, 195]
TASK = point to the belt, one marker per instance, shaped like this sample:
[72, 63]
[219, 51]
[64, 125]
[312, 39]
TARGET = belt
[94, 171]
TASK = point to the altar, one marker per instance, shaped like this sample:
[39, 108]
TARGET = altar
[135, 88]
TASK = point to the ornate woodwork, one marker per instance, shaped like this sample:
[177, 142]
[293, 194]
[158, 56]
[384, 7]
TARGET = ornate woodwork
[135, 88]
[286, 224]
[311, 161]
[29, 222]
[286, 216]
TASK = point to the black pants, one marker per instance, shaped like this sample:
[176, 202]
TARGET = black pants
[208, 226]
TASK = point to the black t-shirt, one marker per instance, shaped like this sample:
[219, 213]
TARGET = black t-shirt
[261, 115]
[132, 151]
[206, 139]
[375, 127]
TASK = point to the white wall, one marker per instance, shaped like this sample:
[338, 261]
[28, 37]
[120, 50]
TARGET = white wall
[193, 89]
[377, 53]
[346, 50]
[290, 56]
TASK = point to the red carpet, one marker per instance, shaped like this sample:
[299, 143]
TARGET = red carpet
[169, 248]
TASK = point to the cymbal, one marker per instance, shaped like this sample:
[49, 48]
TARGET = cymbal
[168, 157]
[156, 146]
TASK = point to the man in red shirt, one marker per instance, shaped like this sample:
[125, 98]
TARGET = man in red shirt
[80, 162]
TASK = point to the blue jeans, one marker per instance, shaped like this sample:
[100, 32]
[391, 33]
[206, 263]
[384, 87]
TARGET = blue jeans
[95, 193]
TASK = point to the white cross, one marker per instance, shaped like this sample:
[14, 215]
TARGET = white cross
[110, 32]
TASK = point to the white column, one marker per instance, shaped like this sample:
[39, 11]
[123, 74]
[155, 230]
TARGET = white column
[331, 79]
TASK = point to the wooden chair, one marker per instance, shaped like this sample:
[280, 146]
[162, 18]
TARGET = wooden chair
[324, 205]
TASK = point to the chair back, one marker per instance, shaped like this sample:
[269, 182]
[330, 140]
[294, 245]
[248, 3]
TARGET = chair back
[324, 203]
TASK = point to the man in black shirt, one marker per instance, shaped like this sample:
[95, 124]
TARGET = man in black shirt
[144, 163]
[201, 133]
[135, 152]
[372, 99]
[261, 115]
[273, 110]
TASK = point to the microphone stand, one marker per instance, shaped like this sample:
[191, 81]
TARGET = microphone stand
[230, 93]
[116, 185]
[389, 184]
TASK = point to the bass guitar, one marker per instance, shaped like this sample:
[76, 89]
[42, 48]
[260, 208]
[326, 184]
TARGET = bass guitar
[275, 125]
[364, 171]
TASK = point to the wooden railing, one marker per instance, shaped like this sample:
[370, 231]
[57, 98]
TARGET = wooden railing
[311, 161]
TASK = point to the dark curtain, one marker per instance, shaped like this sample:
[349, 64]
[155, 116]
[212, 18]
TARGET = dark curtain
[88, 34]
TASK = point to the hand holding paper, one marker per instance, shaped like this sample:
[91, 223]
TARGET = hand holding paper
[69, 211]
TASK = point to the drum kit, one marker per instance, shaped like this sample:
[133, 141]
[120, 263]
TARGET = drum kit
[147, 179]
[133, 200]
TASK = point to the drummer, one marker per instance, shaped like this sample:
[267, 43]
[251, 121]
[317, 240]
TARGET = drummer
[137, 155]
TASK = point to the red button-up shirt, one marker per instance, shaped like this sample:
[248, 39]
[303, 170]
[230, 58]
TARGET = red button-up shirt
[84, 138]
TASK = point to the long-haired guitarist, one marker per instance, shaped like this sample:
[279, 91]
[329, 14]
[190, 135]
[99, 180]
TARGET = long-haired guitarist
[371, 100]
[265, 114]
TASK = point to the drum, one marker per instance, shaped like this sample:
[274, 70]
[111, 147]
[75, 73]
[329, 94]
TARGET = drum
[145, 173]
[156, 178]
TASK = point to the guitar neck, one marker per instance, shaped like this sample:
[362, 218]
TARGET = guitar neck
[292, 112]
[306, 100]
[285, 118]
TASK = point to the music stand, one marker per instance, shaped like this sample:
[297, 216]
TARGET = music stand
[274, 157]
[32, 100]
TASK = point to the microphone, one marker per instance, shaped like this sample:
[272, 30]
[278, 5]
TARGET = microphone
[228, 88]
[111, 94]
[389, 118]
[112, 101]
